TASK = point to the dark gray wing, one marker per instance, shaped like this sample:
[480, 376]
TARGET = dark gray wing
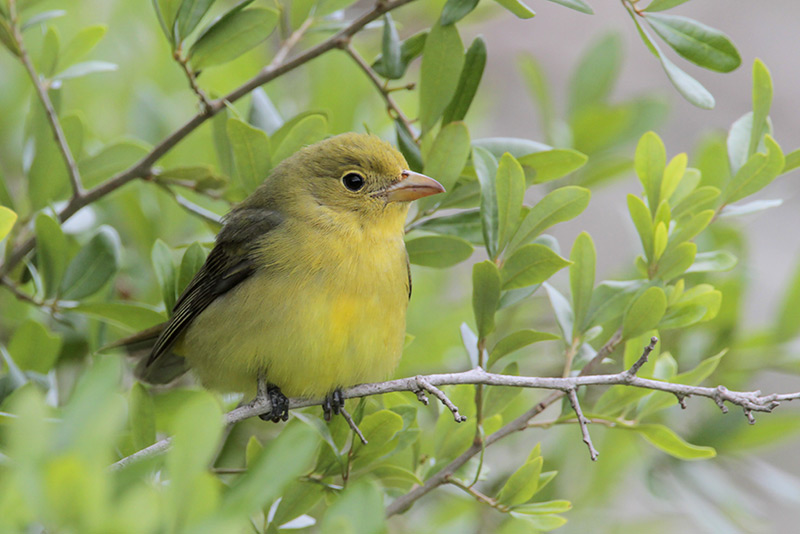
[229, 263]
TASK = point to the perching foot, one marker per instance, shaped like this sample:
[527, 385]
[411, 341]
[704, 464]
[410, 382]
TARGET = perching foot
[334, 402]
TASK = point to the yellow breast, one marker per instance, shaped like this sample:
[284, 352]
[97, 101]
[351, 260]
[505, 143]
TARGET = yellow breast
[326, 311]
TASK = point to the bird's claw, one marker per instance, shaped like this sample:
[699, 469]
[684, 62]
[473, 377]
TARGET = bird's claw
[333, 403]
[280, 405]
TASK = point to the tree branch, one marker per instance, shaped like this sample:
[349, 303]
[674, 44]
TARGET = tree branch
[748, 400]
[50, 112]
[143, 167]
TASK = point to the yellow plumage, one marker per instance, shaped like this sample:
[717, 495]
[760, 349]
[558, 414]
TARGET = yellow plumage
[308, 283]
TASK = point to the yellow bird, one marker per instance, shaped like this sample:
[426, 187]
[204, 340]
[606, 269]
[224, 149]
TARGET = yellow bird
[306, 289]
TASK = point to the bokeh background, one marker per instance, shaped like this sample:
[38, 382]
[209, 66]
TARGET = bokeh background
[148, 97]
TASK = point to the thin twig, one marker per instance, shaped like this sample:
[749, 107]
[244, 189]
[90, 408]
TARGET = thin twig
[205, 103]
[19, 294]
[353, 425]
[572, 394]
[41, 91]
[391, 105]
[424, 384]
[290, 43]
[143, 167]
[480, 497]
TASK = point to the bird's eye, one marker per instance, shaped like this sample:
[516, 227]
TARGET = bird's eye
[353, 181]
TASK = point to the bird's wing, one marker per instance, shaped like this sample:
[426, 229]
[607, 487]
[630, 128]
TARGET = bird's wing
[229, 263]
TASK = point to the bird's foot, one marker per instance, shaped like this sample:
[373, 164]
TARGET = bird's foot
[278, 401]
[333, 403]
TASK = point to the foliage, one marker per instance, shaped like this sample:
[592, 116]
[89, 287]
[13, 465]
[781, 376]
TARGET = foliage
[105, 265]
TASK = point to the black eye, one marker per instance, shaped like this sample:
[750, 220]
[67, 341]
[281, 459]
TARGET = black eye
[353, 181]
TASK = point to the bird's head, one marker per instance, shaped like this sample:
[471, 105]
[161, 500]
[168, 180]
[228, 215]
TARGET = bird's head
[353, 177]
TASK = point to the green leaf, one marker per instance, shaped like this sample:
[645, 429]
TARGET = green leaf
[232, 35]
[161, 256]
[762, 101]
[643, 223]
[94, 265]
[645, 313]
[717, 261]
[560, 205]
[758, 172]
[486, 170]
[141, 417]
[522, 485]
[48, 57]
[297, 499]
[738, 140]
[251, 151]
[80, 45]
[380, 428]
[609, 301]
[581, 276]
[547, 507]
[596, 73]
[517, 8]
[189, 15]
[7, 37]
[455, 10]
[516, 341]
[700, 44]
[650, 162]
[166, 11]
[485, 295]
[448, 155]
[392, 55]
[200, 178]
[464, 224]
[7, 219]
[468, 82]
[690, 226]
[86, 67]
[407, 146]
[676, 262]
[531, 264]
[131, 316]
[509, 190]
[192, 260]
[283, 460]
[577, 5]
[438, 251]
[737, 210]
[515, 146]
[668, 441]
[687, 86]
[673, 175]
[307, 131]
[442, 60]
[33, 347]
[551, 164]
[410, 49]
[359, 510]
[52, 252]
[562, 309]
[792, 161]
[699, 198]
[662, 5]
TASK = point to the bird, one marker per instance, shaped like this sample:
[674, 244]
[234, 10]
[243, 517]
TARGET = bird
[306, 288]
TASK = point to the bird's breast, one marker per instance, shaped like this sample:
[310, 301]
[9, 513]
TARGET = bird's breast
[324, 312]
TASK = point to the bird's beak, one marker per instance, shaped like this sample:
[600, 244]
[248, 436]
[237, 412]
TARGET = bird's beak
[412, 186]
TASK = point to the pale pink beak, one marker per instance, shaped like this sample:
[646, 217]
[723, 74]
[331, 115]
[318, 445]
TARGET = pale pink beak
[412, 185]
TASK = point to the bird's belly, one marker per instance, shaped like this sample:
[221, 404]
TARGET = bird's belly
[310, 334]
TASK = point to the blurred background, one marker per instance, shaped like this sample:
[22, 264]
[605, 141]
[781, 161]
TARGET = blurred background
[148, 97]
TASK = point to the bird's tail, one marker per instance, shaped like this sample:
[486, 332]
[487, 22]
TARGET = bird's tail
[164, 369]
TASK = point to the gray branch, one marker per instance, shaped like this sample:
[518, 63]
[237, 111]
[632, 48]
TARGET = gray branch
[750, 401]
